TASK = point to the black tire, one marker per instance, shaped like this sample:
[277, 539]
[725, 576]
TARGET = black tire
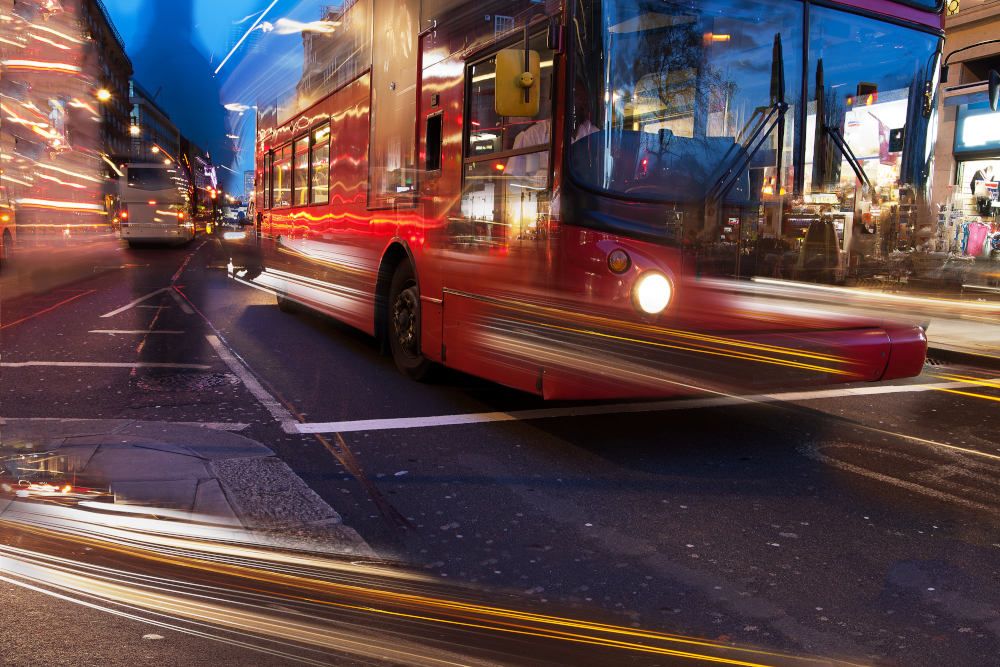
[403, 324]
[286, 305]
[7, 250]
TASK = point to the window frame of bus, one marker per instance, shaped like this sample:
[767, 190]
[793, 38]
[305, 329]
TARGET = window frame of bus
[296, 153]
[276, 163]
[291, 146]
[923, 6]
[438, 117]
[268, 173]
[467, 120]
[313, 144]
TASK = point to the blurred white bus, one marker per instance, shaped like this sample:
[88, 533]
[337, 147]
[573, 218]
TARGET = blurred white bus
[155, 204]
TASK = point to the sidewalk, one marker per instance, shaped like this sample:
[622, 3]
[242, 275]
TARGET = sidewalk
[187, 472]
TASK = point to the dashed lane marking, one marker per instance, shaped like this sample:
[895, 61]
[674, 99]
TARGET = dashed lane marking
[253, 385]
[612, 409]
[100, 364]
[135, 332]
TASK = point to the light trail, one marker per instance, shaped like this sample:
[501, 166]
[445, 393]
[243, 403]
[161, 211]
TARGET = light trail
[41, 66]
[238, 606]
[244, 37]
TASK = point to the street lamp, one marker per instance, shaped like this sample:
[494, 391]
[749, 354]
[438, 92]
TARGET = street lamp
[156, 150]
[134, 130]
[103, 95]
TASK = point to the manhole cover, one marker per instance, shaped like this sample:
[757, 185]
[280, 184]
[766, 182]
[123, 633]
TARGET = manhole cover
[187, 381]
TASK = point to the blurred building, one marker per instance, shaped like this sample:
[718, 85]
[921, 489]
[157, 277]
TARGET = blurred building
[331, 56]
[967, 158]
[53, 143]
[152, 133]
[113, 70]
[202, 173]
[251, 45]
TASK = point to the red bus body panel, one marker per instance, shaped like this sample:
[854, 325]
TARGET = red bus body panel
[545, 316]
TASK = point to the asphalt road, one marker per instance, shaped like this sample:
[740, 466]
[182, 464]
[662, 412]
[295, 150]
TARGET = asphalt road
[859, 526]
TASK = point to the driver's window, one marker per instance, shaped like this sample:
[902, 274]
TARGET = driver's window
[507, 190]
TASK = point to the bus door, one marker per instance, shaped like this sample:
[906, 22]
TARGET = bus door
[499, 232]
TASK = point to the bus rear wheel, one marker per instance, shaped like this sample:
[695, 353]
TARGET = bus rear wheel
[6, 249]
[403, 324]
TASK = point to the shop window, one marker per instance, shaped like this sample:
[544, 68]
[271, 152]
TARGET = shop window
[301, 175]
[320, 165]
[283, 177]
[977, 128]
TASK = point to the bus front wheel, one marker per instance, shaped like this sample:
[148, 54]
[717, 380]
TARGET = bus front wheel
[403, 324]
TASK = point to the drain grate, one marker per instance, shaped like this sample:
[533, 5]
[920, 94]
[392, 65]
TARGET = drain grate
[933, 362]
[187, 381]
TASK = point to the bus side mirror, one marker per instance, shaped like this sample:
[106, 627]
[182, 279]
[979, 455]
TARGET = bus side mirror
[518, 88]
[994, 88]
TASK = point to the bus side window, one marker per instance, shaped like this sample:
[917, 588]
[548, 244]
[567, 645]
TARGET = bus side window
[433, 147]
[506, 192]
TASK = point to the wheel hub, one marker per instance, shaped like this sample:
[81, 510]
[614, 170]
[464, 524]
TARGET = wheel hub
[404, 313]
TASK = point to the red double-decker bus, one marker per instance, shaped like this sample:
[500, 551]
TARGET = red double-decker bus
[572, 198]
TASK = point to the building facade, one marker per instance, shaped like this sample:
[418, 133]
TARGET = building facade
[154, 136]
[967, 158]
[113, 70]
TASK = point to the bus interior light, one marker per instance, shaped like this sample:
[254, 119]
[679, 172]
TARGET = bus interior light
[652, 293]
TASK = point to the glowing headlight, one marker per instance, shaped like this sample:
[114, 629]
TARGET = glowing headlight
[652, 293]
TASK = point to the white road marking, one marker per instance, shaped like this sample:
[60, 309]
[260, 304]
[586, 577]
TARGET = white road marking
[180, 302]
[817, 453]
[215, 426]
[135, 303]
[100, 364]
[240, 370]
[609, 409]
[134, 332]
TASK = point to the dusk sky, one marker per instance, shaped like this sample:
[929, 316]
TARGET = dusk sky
[182, 64]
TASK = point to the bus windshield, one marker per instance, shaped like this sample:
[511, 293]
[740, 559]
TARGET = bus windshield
[152, 179]
[667, 92]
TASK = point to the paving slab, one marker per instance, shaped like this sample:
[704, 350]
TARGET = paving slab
[210, 500]
[205, 474]
[41, 433]
[73, 458]
[133, 464]
[176, 494]
[209, 444]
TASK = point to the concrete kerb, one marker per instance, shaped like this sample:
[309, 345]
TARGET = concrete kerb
[200, 473]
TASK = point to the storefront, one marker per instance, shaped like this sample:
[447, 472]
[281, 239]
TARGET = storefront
[970, 216]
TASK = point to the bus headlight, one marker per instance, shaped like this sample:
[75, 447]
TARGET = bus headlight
[652, 293]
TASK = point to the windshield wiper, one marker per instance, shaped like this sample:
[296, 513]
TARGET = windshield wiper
[774, 116]
[845, 149]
